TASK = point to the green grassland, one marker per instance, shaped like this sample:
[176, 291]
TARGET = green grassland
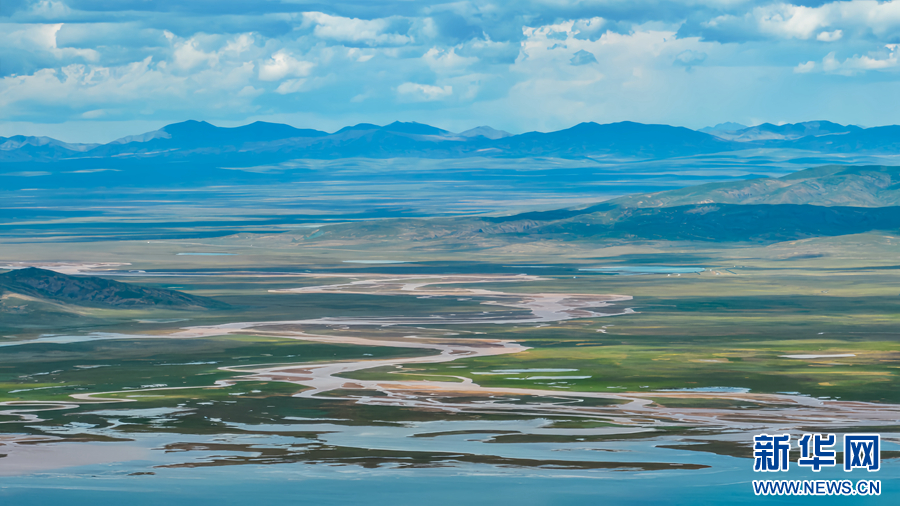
[28, 318]
[615, 367]
[713, 331]
[816, 296]
[835, 296]
[51, 372]
[730, 325]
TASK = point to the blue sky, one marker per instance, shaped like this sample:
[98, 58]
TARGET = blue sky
[96, 70]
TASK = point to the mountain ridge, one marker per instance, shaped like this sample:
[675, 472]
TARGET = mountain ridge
[786, 132]
[200, 141]
[199, 138]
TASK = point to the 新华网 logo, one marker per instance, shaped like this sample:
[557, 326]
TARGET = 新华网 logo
[771, 453]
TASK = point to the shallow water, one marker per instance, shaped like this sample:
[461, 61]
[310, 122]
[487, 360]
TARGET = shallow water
[645, 269]
[94, 473]
[376, 262]
[93, 336]
[726, 482]
[82, 473]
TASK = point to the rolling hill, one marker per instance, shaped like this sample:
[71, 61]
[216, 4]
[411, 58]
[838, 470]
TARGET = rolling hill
[833, 185]
[709, 223]
[823, 201]
[92, 291]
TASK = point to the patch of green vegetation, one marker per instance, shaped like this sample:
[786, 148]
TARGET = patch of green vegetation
[43, 372]
[347, 392]
[695, 332]
[761, 366]
[392, 373]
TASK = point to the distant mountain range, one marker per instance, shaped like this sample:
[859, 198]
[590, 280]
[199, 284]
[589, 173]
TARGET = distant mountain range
[273, 143]
[770, 132]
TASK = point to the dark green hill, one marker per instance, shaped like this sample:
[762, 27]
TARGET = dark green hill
[824, 201]
[705, 222]
[831, 185]
[96, 292]
[731, 223]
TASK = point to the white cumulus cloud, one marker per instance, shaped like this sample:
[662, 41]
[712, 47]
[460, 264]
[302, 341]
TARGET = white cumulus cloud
[828, 22]
[42, 37]
[290, 86]
[830, 36]
[424, 92]
[805, 68]
[447, 61]
[282, 65]
[381, 31]
[188, 55]
[857, 64]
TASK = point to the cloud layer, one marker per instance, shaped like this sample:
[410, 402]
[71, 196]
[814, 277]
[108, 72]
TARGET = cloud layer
[93, 68]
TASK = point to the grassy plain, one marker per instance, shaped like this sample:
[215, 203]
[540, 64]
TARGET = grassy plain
[729, 326]
[43, 372]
